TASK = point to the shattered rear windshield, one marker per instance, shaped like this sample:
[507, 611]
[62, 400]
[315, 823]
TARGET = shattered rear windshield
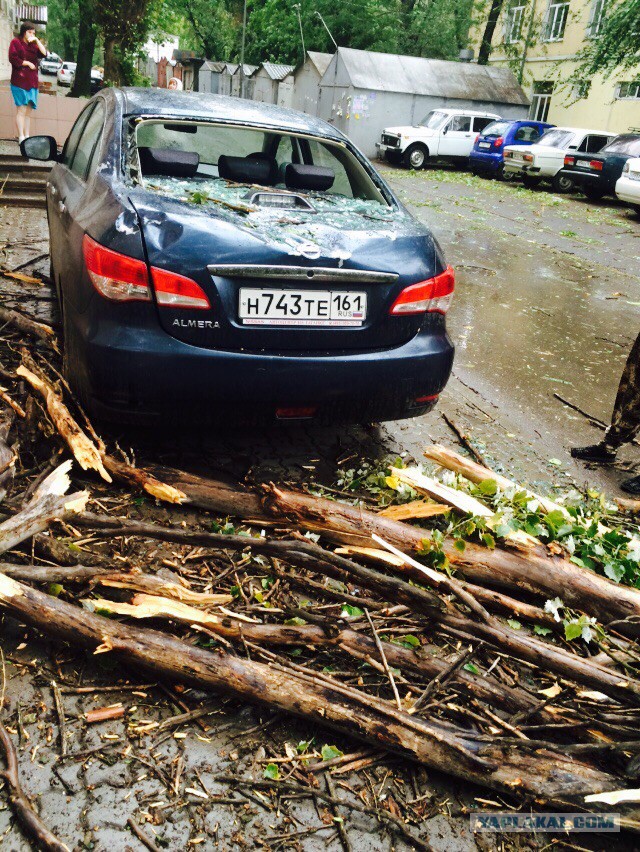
[220, 161]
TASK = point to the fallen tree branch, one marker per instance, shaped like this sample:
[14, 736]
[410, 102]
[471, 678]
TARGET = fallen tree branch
[29, 326]
[33, 826]
[548, 777]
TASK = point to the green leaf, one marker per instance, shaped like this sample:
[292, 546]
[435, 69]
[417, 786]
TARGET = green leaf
[488, 487]
[541, 631]
[271, 771]
[55, 589]
[296, 621]
[330, 752]
[304, 745]
[614, 571]
[515, 625]
[489, 540]
[235, 591]
[572, 629]
[460, 544]
[266, 582]
[407, 641]
[349, 611]
[471, 667]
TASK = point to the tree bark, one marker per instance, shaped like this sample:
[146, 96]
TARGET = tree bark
[546, 776]
[486, 45]
[86, 45]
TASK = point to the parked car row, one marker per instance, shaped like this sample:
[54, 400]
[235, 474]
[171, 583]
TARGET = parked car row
[597, 162]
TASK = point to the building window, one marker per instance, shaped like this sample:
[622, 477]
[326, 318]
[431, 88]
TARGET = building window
[628, 91]
[556, 21]
[598, 9]
[513, 23]
[540, 101]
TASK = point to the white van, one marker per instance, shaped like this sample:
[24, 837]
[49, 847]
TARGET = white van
[446, 134]
[545, 159]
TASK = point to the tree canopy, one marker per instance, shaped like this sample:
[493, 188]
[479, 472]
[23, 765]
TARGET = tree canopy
[618, 43]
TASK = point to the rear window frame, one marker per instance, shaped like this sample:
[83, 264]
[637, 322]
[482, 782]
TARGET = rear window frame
[133, 174]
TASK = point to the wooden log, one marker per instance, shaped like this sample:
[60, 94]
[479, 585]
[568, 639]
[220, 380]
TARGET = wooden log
[547, 777]
[143, 480]
[37, 516]
[535, 572]
[310, 556]
[414, 509]
[8, 457]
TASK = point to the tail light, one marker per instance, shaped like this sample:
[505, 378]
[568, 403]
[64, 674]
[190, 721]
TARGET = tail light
[299, 412]
[596, 165]
[121, 278]
[569, 160]
[116, 276]
[176, 291]
[498, 142]
[527, 158]
[431, 296]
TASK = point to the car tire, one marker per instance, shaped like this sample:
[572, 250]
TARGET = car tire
[531, 182]
[561, 183]
[416, 156]
[593, 193]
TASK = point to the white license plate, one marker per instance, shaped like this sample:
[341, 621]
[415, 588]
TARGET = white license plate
[301, 307]
[484, 144]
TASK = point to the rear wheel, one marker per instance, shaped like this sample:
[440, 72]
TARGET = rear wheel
[593, 193]
[416, 156]
[562, 183]
[531, 182]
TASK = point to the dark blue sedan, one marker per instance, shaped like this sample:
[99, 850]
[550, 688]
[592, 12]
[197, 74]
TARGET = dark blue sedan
[487, 156]
[221, 258]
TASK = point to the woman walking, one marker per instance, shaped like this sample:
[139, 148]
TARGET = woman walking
[25, 53]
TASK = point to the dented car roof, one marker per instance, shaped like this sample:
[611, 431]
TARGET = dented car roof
[201, 105]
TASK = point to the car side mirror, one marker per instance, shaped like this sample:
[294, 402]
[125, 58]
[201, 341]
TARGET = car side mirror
[39, 148]
[445, 129]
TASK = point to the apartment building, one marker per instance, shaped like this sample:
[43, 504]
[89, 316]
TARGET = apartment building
[8, 26]
[539, 40]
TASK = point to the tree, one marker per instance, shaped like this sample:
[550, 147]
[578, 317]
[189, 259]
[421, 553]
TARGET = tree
[124, 25]
[87, 35]
[438, 29]
[62, 27]
[617, 44]
[487, 36]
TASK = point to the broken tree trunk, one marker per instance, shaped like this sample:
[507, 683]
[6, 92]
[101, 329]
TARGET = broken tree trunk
[303, 554]
[37, 516]
[545, 776]
[534, 572]
[29, 326]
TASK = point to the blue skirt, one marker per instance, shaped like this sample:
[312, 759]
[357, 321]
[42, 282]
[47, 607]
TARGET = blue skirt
[24, 97]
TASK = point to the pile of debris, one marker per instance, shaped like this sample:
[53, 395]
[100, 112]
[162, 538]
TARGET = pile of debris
[539, 700]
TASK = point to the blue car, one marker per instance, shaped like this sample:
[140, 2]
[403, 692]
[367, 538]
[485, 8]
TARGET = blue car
[219, 258]
[487, 156]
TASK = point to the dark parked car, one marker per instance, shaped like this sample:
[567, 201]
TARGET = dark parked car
[229, 257]
[596, 174]
[487, 156]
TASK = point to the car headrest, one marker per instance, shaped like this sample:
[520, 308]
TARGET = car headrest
[252, 169]
[297, 176]
[168, 162]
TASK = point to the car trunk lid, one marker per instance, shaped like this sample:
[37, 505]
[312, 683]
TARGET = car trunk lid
[285, 279]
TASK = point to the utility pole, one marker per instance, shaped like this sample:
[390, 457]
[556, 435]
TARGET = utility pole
[296, 6]
[244, 36]
[327, 29]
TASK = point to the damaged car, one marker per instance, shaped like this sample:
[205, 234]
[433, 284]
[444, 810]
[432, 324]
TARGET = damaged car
[225, 258]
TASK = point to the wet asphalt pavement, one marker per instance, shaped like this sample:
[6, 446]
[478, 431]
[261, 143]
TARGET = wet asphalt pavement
[547, 300]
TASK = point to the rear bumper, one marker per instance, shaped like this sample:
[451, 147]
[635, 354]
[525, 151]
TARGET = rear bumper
[139, 374]
[485, 160]
[584, 178]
